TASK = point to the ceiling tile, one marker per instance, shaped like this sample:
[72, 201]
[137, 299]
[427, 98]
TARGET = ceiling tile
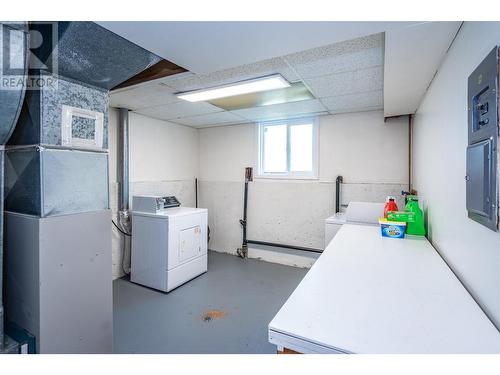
[345, 76]
[241, 73]
[370, 79]
[204, 47]
[372, 99]
[337, 49]
[179, 109]
[325, 64]
[211, 119]
[278, 111]
[142, 96]
[355, 110]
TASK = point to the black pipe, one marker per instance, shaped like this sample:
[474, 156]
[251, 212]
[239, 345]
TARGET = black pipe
[242, 252]
[338, 181]
[196, 192]
[244, 221]
[248, 178]
[293, 247]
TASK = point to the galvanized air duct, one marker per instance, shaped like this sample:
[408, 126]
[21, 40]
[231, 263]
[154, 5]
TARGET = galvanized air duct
[89, 53]
[82, 61]
[1, 260]
[15, 44]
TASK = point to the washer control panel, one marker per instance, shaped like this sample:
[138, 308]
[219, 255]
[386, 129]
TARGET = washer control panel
[153, 204]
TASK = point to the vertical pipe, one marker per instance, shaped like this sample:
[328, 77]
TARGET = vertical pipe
[410, 151]
[245, 203]
[248, 178]
[12, 113]
[123, 160]
[338, 181]
[196, 192]
[243, 250]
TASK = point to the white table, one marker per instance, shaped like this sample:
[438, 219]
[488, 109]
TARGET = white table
[369, 294]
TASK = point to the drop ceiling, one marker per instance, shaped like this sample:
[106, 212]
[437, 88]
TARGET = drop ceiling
[348, 76]
[206, 47]
[334, 74]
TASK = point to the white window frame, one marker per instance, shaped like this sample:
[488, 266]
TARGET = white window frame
[312, 175]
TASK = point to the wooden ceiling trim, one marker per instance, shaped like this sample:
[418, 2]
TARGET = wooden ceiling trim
[163, 68]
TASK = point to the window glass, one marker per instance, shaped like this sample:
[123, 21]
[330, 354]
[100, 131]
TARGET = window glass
[274, 150]
[301, 148]
[288, 149]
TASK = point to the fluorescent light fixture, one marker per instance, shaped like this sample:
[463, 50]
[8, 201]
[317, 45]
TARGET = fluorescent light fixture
[244, 87]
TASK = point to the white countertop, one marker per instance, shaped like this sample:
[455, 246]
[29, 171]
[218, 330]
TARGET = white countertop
[369, 294]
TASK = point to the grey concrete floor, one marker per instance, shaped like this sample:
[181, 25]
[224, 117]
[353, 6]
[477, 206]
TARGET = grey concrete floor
[245, 294]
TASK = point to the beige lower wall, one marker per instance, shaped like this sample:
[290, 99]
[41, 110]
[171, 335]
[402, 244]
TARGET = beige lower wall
[370, 153]
[165, 158]
[291, 213]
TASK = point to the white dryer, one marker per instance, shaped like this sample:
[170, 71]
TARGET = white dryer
[169, 243]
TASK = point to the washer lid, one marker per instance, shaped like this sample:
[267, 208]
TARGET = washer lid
[338, 218]
[180, 211]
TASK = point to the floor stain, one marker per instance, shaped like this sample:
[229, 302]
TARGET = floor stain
[210, 315]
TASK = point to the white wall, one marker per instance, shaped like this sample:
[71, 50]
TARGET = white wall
[163, 161]
[363, 148]
[439, 144]
[165, 158]
[371, 154]
[161, 151]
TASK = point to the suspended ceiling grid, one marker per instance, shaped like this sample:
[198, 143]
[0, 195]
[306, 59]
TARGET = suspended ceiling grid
[343, 77]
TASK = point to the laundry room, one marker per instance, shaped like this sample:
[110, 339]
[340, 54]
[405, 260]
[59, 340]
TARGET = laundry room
[249, 187]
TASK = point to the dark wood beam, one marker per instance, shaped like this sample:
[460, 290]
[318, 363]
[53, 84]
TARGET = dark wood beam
[164, 68]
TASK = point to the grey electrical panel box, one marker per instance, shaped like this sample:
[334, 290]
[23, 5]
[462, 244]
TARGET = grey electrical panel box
[482, 153]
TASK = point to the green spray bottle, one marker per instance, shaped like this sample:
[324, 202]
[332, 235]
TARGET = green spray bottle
[415, 227]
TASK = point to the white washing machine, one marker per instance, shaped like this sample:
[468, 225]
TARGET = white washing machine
[362, 213]
[169, 242]
[333, 225]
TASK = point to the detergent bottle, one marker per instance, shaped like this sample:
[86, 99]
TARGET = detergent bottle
[416, 227]
[390, 205]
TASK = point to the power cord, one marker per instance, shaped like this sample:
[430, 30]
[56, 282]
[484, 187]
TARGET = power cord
[124, 246]
[122, 231]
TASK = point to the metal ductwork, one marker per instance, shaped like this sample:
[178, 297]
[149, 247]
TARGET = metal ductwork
[15, 44]
[91, 54]
[56, 178]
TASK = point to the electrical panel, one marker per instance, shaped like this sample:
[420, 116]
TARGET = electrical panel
[483, 133]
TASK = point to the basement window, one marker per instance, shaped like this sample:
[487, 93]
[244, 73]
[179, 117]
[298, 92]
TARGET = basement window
[288, 149]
